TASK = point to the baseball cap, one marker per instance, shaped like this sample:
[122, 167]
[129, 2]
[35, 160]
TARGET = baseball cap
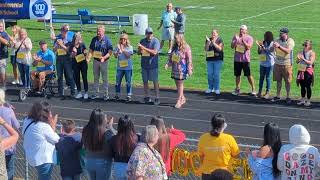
[177, 7]
[149, 30]
[42, 42]
[284, 30]
[244, 27]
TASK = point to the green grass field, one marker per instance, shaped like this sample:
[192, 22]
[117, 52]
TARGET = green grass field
[301, 17]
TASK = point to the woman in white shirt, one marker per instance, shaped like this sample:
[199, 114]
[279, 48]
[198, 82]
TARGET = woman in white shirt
[40, 138]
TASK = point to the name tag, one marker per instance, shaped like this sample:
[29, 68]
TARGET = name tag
[21, 55]
[262, 57]
[302, 67]
[97, 54]
[123, 63]
[62, 52]
[80, 58]
[210, 53]
[145, 53]
[240, 49]
[175, 58]
[280, 53]
[40, 64]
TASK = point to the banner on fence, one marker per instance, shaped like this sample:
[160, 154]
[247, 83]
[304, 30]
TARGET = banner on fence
[25, 9]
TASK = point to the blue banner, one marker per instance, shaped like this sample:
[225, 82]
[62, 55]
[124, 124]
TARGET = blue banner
[25, 9]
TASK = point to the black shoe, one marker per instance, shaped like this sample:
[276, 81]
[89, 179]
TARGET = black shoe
[288, 101]
[156, 101]
[128, 99]
[275, 99]
[116, 98]
[62, 97]
[147, 100]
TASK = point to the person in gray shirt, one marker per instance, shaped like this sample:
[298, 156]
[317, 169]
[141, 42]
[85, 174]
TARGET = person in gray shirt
[180, 21]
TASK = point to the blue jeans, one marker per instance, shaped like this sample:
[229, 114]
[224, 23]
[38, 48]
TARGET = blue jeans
[24, 74]
[44, 171]
[64, 64]
[214, 75]
[265, 72]
[120, 170]
[99, 168]
[128, 75]
[75, 177]
[10, 159]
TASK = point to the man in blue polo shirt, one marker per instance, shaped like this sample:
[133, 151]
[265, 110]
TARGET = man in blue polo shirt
[44, 62]
[101, 50]
[148, 49]
[4, 42]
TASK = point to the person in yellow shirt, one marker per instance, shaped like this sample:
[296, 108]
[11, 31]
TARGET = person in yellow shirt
[216, 148]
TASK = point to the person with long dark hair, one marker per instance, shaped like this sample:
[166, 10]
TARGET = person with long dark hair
[263, 163]
[122, 146]
[95, 137]
[40, 138]
[169, 138]
[216, 148]
[266, 56]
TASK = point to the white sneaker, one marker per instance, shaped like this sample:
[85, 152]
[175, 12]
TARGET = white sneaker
[217, 92]
[85, 96]
[308, 103]
[15, 82]
[169, 51]
[301, 102]
[208, 91]
[79, 95]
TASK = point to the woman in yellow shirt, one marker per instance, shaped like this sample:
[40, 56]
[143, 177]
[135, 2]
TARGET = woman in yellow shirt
[216, 148]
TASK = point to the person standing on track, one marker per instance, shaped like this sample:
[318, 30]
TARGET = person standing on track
[242, 43]
[283, 63]
[148, 48]
[101, 51]
[168, 27]
[180, 60]
[4, 43]
[305, 61]
[15, 35]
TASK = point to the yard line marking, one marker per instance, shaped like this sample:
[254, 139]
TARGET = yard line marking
[286, 7]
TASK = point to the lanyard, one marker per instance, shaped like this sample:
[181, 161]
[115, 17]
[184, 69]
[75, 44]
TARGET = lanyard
[159, 160]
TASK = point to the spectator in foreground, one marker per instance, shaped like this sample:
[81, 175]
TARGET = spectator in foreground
[298, 159]
[40, 138]
[242, 43]
[263, 163]
[214, 57]
[15, 35]
[5, 144]
[101, 51]
[4, 43]
[78, 53]
[221, 174]
[23, 46]
[122, 146]
[168, 140]
[179, 22]
[283, 63]
[148, 48]
[167, 25]
[9, 116]
[124, 52]
[216, 148]
[44, 61]
[95, 137]
[180, 60]
[266, 57]
[305, 60]
[145, 161]
[68, 149]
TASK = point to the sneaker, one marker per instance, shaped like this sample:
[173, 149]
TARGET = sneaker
[308, 103]
[288, 101]
[275, 99]
[217, 92]
[301, 102]
[66, 87]
[147, 100]
[116, 97]
[253, 93]
[208, 91]
[169, 51]
[128, 98]
[79, 95]
[236, 92]
[15, 82]
[259, 95]
[106, 97]
[94, 96]
[85, 96]
[156, 101]
[267, 95]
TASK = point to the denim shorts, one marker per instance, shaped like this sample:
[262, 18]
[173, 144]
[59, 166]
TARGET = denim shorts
[149, 75]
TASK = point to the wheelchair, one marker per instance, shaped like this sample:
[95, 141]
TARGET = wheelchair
[49, 89]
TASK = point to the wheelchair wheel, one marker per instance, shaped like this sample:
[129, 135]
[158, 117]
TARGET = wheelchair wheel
[53, 87]
[23, 95]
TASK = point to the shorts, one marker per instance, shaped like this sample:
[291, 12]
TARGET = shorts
[149, 75]
[13, 59]
[3, 66]
[167, 34]
[239, 66]
[282, 71]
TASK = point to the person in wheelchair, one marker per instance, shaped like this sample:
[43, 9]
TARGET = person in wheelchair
[44, 61]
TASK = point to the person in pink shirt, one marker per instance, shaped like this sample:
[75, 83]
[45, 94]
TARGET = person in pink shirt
[180, 60]
[169, 138]
[242, 43]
